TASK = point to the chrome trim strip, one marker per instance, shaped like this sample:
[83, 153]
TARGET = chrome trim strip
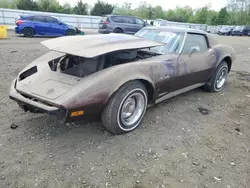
[178, 92]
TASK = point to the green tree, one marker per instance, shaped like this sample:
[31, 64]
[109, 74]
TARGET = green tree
[212, 15]
[7, 3]
[201, 16]
[81, 8]
[180, 14]
[101, 8]
[26, 5]
[3, 4]
[183, 14]
[144, 10]
[66, 9]
[49, 5]
[222, 17]
[12, 4]
[236, 13]
[158, 12]
[170, 15]
[213, 20]
[124, 9]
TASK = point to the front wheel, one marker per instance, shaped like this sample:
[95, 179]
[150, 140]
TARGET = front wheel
[70, 32]
[218, 79]
[126, 109]
[118, 30]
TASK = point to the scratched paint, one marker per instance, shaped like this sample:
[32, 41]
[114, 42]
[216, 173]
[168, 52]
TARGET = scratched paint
[151, 71]
[174, 70]
[169, 67]
[217, 52]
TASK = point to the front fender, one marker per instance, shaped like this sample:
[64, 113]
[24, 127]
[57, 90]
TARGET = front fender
[96, 90]
[147, 81]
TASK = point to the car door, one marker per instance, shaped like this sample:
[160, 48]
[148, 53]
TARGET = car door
[40, 25]
[169, 63]
[246, 30]
[196, 62]
[55, 27]
[128, 25]
[139, 24]
[118, 23]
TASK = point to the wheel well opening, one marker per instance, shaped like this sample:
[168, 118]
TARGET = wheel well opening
[118, 28]
[150, 90]
[228, 60]
[28, 28]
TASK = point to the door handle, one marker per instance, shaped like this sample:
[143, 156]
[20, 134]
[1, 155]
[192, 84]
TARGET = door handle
[210, 50]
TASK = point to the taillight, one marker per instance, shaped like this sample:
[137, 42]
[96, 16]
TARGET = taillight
[106, 22]
[19, 22]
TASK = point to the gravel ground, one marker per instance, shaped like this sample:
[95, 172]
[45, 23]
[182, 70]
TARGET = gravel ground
[175, 147]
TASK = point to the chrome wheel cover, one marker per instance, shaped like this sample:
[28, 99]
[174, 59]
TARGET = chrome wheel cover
[221, 78]
[132, 109]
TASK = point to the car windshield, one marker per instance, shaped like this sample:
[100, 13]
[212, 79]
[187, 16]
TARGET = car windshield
[239, 27]
[172, 40]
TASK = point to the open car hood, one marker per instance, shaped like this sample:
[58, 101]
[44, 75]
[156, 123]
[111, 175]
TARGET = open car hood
[95, 45]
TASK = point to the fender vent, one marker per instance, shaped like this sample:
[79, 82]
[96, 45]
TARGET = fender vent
[28, 73]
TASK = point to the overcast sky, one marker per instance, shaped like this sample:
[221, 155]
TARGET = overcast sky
[166, 4]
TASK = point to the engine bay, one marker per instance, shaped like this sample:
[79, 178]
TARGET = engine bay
[81, 66]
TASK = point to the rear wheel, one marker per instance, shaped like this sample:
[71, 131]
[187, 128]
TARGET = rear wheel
[28, 32]
[118, 30]
[218, 79]
[70, 32]
[126, 109]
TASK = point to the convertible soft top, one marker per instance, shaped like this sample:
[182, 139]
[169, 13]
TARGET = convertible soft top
[95, 45]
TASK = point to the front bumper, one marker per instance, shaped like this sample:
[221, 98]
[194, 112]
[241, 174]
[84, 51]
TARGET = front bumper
[31, 105]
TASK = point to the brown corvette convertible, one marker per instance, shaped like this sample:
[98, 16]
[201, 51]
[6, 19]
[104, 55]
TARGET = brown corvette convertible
[118, 76]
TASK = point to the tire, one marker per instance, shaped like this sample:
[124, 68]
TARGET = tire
[131, 101]
[118, 30]
[28, 32]
[70, 32]
[214, 84]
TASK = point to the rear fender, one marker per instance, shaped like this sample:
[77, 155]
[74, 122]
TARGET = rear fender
[222, 52]
[220, 56]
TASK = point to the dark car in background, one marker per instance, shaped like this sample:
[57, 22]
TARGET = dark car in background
[42, 25]
[120, 24]
[226, 30]
[241, 31]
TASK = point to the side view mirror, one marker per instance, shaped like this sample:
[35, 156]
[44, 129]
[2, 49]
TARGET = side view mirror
[194, 49]
[60, 23]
